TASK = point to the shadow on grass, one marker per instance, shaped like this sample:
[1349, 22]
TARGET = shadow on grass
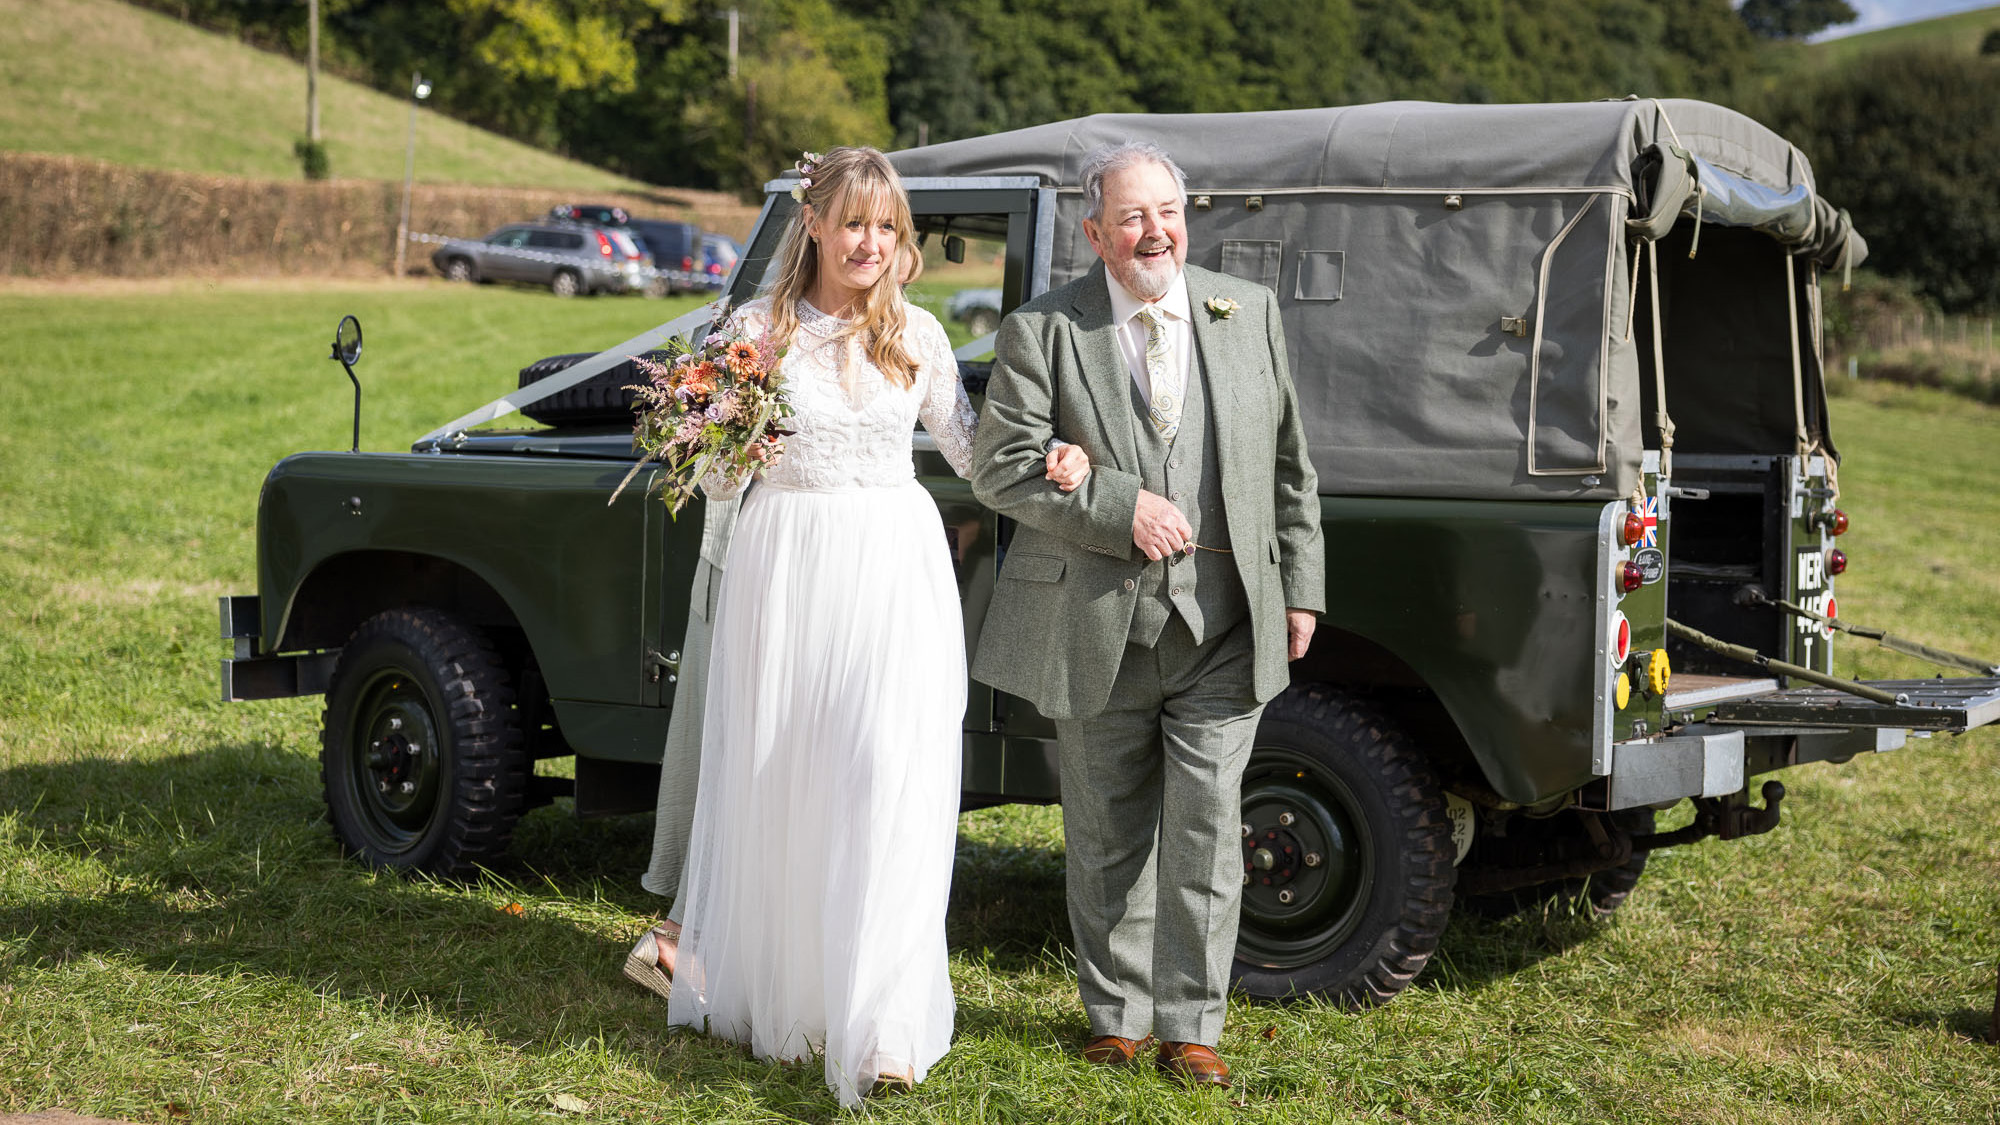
[221, 862]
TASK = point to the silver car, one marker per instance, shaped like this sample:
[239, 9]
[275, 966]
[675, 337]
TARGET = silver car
[569, 258]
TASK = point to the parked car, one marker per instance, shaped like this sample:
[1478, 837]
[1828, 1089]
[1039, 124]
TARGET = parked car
[1527, 562]
[569, 258]
[718, 255]
[677, 252]
[603, 214]
[977, 309]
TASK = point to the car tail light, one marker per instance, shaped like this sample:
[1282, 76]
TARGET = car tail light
[1836, 524]
[1836, 563]
[1630, 577]
[687, 263]
[603, 244]
[1635, 529]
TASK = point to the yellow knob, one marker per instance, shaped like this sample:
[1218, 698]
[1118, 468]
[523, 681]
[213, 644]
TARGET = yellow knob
[1658, 672]
[1624, 690]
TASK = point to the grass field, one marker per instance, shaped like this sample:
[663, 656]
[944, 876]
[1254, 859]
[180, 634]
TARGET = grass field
[103, 79]
[1959, 33]
[180, 942]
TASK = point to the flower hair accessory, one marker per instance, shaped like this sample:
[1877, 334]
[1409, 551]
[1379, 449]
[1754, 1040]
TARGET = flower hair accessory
[1221, 308]
[805, 167]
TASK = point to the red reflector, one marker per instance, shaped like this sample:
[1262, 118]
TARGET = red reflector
[687, 263]
[1624, 639]
[1635, 528]
[1836, 563]
[603, 243]
[1630, 577]
[1837, 524]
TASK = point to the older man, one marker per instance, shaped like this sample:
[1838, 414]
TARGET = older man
[1152, 611]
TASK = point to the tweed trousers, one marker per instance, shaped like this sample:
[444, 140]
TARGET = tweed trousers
[1152, 824]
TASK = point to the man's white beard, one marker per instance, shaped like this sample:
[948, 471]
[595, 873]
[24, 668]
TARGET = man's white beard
[1149, 282]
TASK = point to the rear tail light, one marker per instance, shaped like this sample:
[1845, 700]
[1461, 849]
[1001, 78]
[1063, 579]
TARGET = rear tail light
[1836, 563]
[603, 244]
[1635, 529]
[1836, 524]
[1630, 577]
[687, 263]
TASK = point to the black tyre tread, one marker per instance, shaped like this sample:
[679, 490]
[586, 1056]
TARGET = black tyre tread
[599, 400]
[1402, 951]
[490, 767]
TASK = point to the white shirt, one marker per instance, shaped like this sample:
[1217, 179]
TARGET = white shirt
[1132, 333]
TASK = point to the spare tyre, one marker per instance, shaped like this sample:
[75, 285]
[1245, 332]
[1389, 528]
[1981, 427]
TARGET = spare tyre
[599, 400]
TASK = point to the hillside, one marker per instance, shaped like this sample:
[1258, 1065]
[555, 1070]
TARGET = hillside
[102, 79]
[1958, 34]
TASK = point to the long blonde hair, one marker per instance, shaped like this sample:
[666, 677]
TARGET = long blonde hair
[848, 184]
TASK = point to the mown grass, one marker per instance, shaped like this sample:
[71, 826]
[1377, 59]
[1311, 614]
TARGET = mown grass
[106, 80]
[179, 940]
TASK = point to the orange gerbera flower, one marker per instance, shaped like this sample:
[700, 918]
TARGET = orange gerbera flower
[741, 358]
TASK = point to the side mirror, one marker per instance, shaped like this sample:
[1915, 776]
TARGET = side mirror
[347, 349]
[347, 341]
[954, 249]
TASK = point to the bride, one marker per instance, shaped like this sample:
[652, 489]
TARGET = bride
[820, 860]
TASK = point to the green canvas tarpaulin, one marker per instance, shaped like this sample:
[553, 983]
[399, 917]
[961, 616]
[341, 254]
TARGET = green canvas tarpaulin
[1457, 281]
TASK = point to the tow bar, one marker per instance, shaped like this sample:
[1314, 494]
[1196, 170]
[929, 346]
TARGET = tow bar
[1731, 818]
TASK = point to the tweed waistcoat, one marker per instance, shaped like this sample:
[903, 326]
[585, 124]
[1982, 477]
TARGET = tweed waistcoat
[1206, 590]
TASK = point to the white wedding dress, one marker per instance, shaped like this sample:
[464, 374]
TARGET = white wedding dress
[824, 828]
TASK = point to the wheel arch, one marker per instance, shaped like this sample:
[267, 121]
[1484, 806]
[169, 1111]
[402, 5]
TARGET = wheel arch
[345, 589]
[1445, 725]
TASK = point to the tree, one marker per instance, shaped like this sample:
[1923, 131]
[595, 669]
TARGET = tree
[1908, 142]
[1794, 19]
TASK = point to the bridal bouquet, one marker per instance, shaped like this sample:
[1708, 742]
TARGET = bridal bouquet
[705, 406]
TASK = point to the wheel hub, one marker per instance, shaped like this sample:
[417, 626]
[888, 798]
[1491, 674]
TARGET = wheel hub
[1305, 862]
[398, 764]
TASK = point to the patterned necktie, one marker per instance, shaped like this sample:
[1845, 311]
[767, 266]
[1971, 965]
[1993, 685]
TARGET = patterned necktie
[1166, 399]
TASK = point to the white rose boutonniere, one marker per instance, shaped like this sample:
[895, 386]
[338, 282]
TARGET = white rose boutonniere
[1221, 308]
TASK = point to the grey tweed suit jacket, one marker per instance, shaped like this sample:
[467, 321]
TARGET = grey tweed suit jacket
[1056, 630]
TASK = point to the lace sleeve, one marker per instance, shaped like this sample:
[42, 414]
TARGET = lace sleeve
[947, 411]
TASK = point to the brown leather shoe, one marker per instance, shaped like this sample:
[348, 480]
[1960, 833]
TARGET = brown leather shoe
[1113, 1050]
[1193, 1064]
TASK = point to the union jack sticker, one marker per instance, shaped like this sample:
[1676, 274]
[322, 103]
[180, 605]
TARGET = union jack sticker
[1648, 511]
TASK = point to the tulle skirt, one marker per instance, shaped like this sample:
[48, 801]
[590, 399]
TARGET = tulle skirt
[820, 861]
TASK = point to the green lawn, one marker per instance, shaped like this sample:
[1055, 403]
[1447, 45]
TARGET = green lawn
[103, 79]
[179, 940]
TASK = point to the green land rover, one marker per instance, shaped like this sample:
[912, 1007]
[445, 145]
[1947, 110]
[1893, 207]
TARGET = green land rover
[1560, 368]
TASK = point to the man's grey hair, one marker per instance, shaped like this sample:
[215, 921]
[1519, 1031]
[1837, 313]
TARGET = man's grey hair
[1106, 159]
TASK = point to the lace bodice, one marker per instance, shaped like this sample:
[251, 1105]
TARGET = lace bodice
[858, 435]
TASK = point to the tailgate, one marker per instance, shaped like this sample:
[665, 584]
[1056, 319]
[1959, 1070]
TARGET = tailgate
[1953, 706]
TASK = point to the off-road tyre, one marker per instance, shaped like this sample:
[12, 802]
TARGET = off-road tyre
[1600, 894]
[597, 401]
[418, 698]
[566, 283]
[1364, 919]
[460, 269]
